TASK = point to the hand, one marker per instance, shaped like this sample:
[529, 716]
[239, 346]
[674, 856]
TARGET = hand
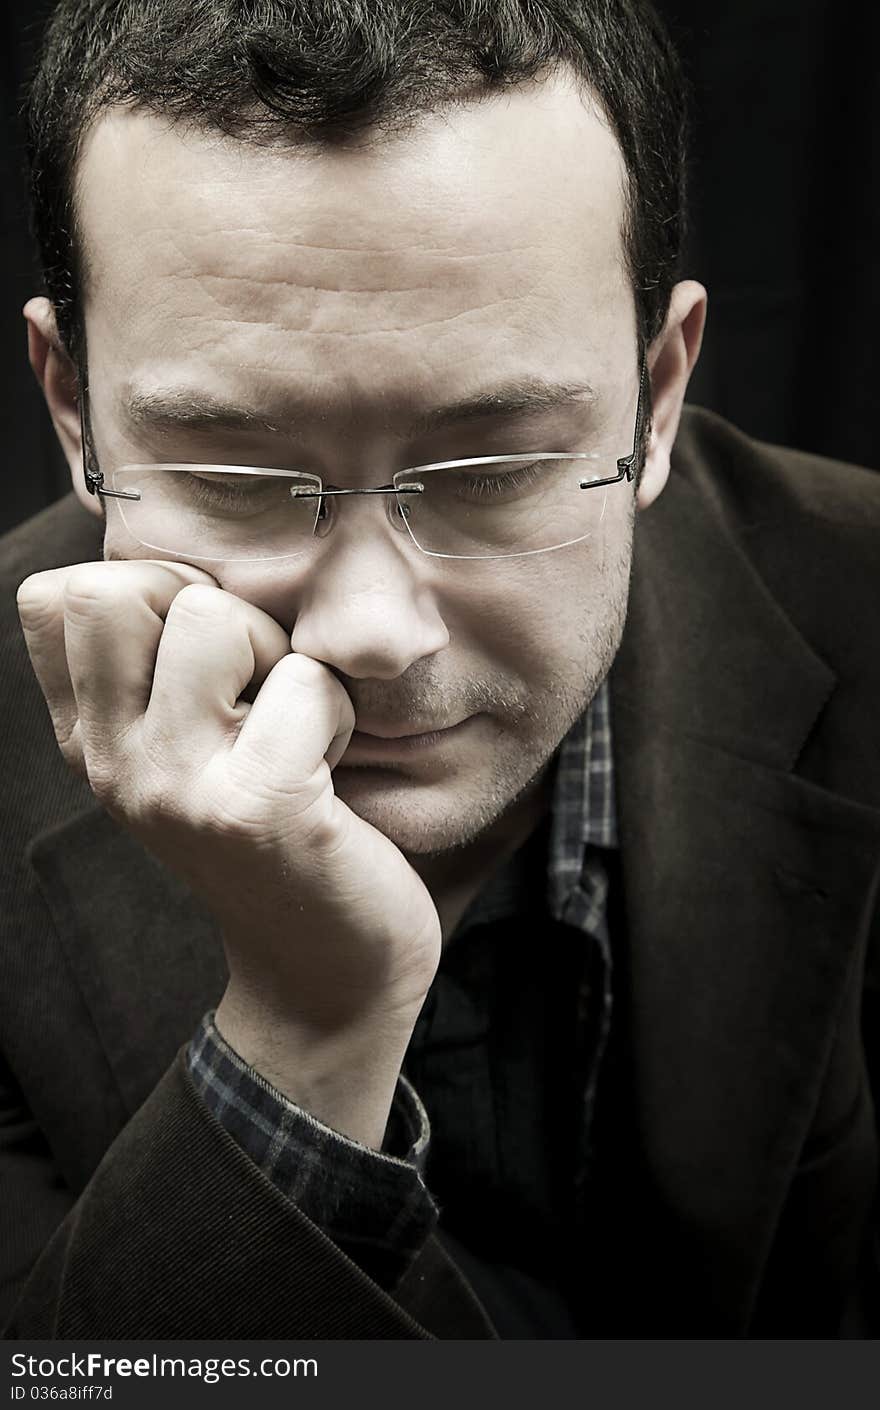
[332, 938]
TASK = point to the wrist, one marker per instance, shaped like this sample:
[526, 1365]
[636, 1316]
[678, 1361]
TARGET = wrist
[345, 1076]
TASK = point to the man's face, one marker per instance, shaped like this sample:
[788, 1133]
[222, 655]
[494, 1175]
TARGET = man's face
[340, 295]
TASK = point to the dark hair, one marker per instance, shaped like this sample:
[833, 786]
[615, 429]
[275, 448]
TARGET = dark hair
[319, 70]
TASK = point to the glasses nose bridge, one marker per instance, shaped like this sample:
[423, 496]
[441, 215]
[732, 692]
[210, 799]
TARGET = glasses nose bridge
[325, 518]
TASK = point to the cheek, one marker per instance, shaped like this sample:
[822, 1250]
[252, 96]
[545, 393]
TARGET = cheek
[523, 617]
[118, 542]
[121, 545]
[262, 585]
[556, 623]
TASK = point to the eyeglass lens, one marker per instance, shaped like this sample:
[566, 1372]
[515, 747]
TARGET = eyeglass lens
[501, 508]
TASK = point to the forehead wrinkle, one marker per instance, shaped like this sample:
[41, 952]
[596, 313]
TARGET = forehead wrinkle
[274, 281]
[387, 253]
[253, 246]
[312, 323]
[286, 302]
[379, 274]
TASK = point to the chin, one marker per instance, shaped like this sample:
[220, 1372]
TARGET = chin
[422, 819]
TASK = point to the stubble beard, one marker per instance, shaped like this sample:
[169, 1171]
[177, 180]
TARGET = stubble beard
[440, 817]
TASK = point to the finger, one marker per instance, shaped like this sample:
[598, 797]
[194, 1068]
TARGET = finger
[301, 718]
[41, 612]
[41, 606]
[213, 647]
[114, 615]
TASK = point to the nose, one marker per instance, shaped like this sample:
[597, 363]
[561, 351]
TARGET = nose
[366, 607]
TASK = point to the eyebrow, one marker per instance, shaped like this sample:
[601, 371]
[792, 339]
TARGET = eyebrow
[177, 409]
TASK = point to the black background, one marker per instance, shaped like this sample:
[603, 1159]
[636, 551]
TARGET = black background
[785, 227]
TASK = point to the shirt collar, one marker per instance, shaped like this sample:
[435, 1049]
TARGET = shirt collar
[583, 811]
[582, 814]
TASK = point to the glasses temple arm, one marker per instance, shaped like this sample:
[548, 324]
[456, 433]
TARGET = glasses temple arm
[627, 464]
[91, 474]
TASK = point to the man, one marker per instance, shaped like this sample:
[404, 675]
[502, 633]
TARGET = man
[514, 962]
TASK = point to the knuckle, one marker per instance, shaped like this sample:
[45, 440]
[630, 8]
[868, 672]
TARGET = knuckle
[88, 588]
[199, 602]
[37, 600]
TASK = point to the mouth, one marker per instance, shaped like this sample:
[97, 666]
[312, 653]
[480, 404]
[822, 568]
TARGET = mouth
[383, 742]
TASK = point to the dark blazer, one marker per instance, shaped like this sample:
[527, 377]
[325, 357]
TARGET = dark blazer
[736, 1142]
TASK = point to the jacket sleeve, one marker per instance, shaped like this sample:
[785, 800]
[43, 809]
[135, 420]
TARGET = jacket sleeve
[179, 1235]
[373, 1204]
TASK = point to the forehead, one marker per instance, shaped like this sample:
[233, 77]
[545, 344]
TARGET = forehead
[370, 270]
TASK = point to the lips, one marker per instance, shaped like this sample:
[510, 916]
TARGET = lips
[378, 744]
[383, 730]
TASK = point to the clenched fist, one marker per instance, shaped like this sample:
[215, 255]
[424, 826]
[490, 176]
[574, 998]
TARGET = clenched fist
[204, 734]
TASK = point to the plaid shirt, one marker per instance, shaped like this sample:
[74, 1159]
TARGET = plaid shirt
[374, 1204]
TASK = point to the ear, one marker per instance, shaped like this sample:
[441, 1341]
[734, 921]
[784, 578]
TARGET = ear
[57, 376]
[671, 359]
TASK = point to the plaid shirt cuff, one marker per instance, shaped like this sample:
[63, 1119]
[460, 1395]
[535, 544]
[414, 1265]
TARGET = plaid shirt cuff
[374, 1205]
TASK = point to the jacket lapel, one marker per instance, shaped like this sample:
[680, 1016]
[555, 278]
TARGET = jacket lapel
[746, 896]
